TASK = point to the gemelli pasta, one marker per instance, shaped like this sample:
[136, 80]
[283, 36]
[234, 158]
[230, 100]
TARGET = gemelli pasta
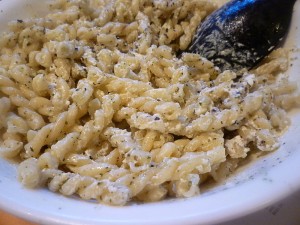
[94, 101]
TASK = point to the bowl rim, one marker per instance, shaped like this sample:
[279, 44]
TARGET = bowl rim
[177, 211]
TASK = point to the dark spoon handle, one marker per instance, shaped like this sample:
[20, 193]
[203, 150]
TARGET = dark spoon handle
[242, 32]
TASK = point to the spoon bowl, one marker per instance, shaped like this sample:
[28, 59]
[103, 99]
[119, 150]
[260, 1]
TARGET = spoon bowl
[242, 32]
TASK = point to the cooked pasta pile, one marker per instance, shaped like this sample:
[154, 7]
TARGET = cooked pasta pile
[94, 101]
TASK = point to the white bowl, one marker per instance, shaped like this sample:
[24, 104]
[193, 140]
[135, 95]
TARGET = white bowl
[256, 186]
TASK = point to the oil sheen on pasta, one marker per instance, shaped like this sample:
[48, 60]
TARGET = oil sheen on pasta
[94, 102]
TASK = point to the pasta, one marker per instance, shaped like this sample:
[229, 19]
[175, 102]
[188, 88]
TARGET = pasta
[94, 101]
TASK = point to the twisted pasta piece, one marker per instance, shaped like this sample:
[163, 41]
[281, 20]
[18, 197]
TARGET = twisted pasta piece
[52, 131]
[5, 106]
[168, 110]
[9, 88]
[16, 124]
[151, 139]
[34, 120]
[70, 183]
[10, 148]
